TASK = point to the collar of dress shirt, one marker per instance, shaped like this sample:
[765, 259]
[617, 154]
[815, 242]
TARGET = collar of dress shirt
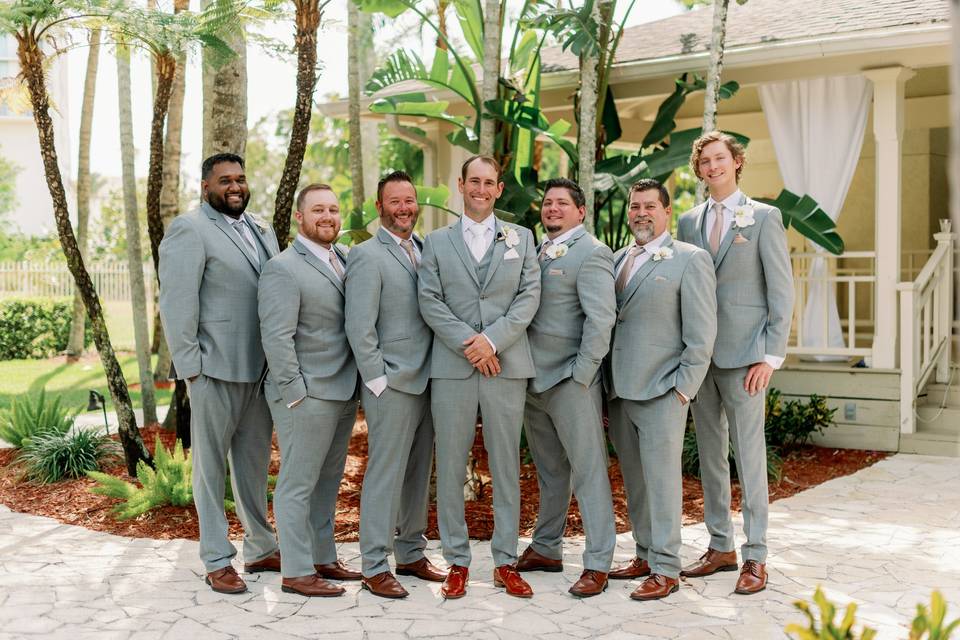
[490, 222]
[315, 248]
[397, 238]
[730, 203]
[231, 220]
[563, 237]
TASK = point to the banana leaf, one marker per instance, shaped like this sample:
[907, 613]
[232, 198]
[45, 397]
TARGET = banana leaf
[664, 124]
[532, 119]
[806, 216]
[405, 66]
[389, 8]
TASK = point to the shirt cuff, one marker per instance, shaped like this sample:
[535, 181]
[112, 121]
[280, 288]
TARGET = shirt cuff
[774, 361]
[296, 402]
[682, 395]
[492, 346]
[377, 385]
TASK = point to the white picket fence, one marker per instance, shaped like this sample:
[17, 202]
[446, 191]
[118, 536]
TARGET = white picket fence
[53, 279]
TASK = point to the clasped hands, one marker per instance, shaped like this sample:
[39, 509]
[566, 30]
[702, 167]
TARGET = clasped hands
[481, 355]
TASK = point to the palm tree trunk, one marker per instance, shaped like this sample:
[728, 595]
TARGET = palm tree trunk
[588, 129]
[75, 343]
[166, 67]
[30, 57]
[491, 72]
[225, 100]
[307, 23]
[141, 332]
[354, 48]
[712, 95]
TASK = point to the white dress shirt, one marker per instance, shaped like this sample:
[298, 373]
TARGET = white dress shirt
[490, 230]
[643, 256]
[398, 240]
[730, 204]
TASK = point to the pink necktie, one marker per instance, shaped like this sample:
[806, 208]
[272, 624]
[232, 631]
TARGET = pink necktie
[717, 228]
[624, 276]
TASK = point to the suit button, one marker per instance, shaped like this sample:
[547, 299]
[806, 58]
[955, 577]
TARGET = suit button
[483, 296]
[476, 325]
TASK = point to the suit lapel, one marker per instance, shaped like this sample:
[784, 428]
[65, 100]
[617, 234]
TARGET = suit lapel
[569, 242]
[642, 274]
[699, 221]
[224, 226]
[499, 248]
[318, 264]
[728, 238]
[396, 251]
[455, 234]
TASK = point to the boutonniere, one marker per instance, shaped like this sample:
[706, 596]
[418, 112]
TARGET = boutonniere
[743, 217]
[509, 236]
[662, 253]
[257, 222]
[555, 251]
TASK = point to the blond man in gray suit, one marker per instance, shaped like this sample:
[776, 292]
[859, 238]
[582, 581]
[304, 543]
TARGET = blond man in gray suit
[754, 307]
[666, 325]
[210, 264]
[569, 337]
[311, 390]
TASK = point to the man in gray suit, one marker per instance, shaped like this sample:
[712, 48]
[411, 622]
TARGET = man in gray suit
[210, 263]
[391, 343]
[311, 390]
[569, 337]
[754, 308]
[666, 325]
[479, 289]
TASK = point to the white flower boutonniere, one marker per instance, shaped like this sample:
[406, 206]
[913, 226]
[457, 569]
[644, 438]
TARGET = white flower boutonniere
[662, 253]
[555, 251]
[509, 236]
[743, 217]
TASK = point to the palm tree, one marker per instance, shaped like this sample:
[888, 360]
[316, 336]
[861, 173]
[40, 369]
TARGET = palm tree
[718, 38]
[225, 98]
[307, 21]
[30, 22]
[587, 131]
[354, 53]
[492, 28]
[77, 325]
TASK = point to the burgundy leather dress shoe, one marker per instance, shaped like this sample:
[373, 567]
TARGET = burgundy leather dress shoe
[507, 576]
[636, 568]
[710, 563]
[455, 584]
[270, 563]
[384, 585]
[226, 580]
[423, 569]
[591, 583]
[530, 560]
[312, 586]
[337, 571]
[656, 586]
[753, 578]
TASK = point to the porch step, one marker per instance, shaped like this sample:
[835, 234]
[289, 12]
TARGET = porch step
[934, 394]
[938, 432]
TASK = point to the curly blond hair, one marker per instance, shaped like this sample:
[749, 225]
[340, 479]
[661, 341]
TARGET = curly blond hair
[736, 150]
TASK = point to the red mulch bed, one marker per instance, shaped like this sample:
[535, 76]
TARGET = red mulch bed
[71, 502]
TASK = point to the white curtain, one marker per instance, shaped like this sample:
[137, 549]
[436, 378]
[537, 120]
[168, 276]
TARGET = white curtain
[817, 128]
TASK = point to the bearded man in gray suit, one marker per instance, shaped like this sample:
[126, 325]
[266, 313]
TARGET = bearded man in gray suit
[666, 325]
[210, 263]
[311, 390]
[479, 290]
[569, 337]
[754, 309]
[391, 343]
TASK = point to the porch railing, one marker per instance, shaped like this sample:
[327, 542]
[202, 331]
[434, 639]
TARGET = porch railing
[926, 312]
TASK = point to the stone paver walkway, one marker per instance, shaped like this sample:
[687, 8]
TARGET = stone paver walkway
[884, 538]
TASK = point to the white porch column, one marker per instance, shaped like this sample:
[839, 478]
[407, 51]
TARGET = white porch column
[888, 108]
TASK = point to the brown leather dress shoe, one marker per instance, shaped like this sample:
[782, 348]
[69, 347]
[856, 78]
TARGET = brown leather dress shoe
[591, 583]
[636, 568]
[226, 580]
[423, 569]
[753, 578]
[312, 586]
[337, 571]
[270, 563]
[506, 576]
[656, 586]
[710, 563]
[455, 584]
[530, 560]
[384, 585]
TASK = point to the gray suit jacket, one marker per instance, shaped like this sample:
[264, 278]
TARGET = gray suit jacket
[301, 319]
[457, 305]
[208, 296]
[754, 285]
[384, 326]
[666, 325]
[570, 334]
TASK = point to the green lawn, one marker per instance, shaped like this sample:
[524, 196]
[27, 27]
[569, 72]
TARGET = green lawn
[70, 381]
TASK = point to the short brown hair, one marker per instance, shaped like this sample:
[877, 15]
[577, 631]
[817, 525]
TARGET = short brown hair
[649, 184]
[490, 160]
[393, 176]
[316, 186]
[736, 150]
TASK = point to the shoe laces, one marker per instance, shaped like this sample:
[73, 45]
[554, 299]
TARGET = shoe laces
[753, 567]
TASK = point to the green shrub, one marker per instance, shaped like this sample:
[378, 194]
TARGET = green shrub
[792, 424]
[28, 417]
[929, 623]
[826, 628]
[35, 327]
[690, 457]
[53, 456]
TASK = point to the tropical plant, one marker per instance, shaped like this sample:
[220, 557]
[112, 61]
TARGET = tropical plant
[826, 628]
[793, 423]
[929, 623]
[225, 95]
[806, 216]
[690, 456]
[31, 416]
[52, 456]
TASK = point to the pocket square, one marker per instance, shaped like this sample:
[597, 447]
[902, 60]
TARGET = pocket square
[511, 255]
[555, 272]
[659, 279]
[739, 239]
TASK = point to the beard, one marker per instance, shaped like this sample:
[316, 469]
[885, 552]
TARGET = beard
[220, 203]
[553, 228]
[643, 234]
